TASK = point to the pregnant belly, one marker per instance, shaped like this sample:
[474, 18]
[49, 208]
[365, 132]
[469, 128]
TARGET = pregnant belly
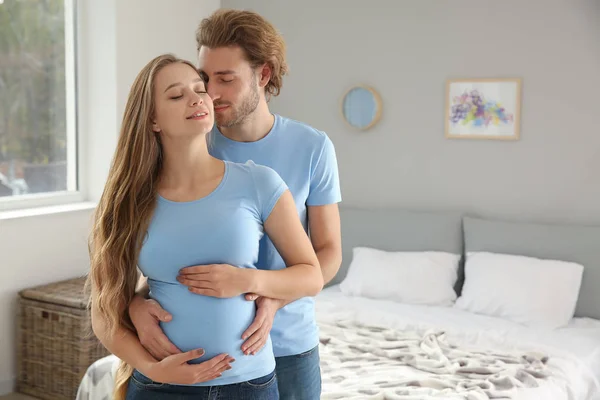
[213, 324]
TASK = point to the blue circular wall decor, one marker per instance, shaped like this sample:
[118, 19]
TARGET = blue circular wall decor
[361, 107]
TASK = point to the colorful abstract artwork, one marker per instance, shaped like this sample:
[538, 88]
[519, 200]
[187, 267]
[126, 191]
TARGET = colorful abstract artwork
[483, 108]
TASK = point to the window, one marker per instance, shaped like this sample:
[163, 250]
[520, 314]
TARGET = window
[38, 140]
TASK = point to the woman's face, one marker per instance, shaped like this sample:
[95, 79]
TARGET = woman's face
[182, 108]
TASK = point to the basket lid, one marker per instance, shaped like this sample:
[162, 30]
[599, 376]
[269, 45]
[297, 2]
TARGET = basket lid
[67, 293]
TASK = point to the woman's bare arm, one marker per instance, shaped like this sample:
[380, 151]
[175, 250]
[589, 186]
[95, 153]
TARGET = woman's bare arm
[303, 276]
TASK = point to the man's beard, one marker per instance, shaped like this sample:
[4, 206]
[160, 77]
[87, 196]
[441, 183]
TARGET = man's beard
[241, 113]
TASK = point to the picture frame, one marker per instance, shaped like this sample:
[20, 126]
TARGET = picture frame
[483, 108]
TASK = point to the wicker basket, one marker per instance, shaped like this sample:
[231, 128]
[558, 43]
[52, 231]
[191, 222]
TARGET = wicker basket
[55, 343]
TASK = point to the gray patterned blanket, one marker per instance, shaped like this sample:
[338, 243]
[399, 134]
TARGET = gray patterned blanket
[370, 362]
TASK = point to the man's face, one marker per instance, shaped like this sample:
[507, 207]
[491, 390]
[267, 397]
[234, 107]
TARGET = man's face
[231, 83]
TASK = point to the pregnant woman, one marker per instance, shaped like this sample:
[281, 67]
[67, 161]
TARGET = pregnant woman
[168, 205]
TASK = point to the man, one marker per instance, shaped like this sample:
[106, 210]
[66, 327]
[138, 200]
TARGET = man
[242, 59]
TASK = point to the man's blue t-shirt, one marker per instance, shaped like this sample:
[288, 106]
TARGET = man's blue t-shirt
[305, 159]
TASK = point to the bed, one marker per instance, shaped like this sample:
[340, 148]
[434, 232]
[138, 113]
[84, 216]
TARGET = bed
[408, 341]
[573, 363]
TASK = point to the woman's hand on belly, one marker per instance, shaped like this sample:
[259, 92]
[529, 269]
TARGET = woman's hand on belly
[216, 280]
[175, 369]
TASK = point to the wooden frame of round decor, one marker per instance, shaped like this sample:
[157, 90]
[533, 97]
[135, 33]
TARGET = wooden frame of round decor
[378, 105]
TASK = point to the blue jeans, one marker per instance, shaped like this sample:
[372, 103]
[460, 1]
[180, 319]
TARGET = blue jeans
[299, 376]
[142, 388]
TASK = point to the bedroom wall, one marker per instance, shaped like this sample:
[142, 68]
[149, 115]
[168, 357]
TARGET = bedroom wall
[406, 50]
[117, 39]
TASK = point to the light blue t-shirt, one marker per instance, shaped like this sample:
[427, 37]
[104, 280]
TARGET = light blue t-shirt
[305, 159]
[224, 227]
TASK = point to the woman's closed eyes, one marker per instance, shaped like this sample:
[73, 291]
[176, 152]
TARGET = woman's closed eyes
[177, 97]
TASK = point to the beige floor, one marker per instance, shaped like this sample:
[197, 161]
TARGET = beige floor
[16, 396]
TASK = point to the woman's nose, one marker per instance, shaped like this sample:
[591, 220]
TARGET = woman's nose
[196, 99]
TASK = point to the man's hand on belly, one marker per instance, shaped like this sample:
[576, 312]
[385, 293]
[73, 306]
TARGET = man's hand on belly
[257, 334]
[215, 280]
[145, 315]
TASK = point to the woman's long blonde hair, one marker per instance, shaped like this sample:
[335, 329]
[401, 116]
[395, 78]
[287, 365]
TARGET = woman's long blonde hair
[125, 209]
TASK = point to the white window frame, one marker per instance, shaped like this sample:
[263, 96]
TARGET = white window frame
[75, 194]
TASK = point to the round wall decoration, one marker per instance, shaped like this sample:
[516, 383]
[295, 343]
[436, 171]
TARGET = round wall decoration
[361, 107]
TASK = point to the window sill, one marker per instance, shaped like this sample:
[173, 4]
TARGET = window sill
[37, 211]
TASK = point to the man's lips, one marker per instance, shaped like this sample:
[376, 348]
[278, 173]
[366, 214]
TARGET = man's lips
[221, 107]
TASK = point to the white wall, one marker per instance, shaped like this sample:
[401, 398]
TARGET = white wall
[407, 50]
[117, 39]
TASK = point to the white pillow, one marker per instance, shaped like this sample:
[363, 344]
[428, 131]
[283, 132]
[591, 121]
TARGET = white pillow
[530, 291]
[426, 277]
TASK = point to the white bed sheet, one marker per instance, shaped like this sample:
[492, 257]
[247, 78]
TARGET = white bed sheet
[574, 350]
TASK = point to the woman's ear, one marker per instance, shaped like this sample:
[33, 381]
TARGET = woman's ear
[155, 127]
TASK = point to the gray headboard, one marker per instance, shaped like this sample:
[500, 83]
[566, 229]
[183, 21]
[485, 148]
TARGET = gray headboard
[573, 243]
[398, 230]
[402, 230]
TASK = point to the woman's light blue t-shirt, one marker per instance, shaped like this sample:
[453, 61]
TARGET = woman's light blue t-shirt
[225, 227]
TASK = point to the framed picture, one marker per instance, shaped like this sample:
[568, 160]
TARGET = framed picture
[483, 108]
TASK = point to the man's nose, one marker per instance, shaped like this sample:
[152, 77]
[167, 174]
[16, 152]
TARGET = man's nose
[213, 93]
